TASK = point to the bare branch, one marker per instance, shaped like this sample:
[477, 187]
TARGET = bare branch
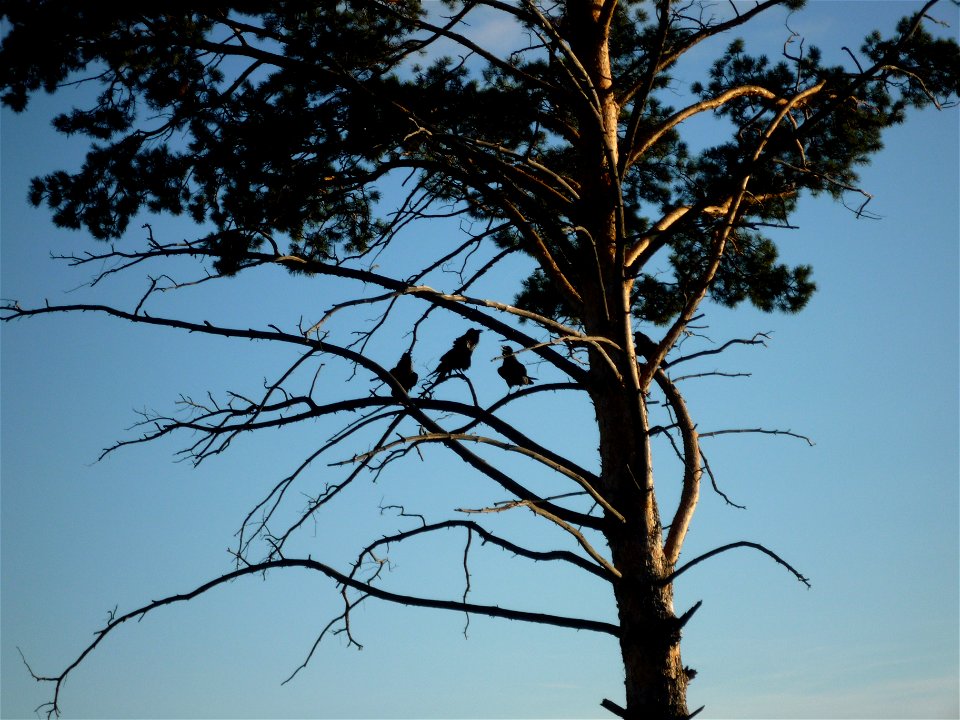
[538, 509]
[716, 488]
[488, 537]
[714, 373]
[313, 648]
[743, 543]
[309, 564]
[510, 447]
[692, 470]
[714, 433]
[759, 339]
[15, 311]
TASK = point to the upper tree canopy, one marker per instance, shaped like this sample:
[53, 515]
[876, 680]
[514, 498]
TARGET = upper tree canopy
[276, 123]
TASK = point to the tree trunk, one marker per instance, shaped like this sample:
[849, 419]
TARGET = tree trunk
[656, 683]
[655, 679]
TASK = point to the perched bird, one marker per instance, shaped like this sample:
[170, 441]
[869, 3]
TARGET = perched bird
[458, 357]
[647, 348]
[512, 370]
[644, 345]
[404, 373]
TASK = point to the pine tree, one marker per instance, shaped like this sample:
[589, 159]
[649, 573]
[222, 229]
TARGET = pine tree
[284, 129]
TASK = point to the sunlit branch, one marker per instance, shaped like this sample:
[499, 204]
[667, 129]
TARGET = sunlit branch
[660, 233]
[721, 236]
[692, 470]
[678, 117]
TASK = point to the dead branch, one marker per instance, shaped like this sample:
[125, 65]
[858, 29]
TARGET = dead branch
[505, 481]
[342, 617]
[309, 564]
[716, 488]
[742, 543]
[759, 339]
[613, 707]
[714, 373]
[543, 512]
[488, 537]
[510, 447]
[714, 433]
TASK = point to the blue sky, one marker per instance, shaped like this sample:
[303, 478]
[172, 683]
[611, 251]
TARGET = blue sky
[870, 513]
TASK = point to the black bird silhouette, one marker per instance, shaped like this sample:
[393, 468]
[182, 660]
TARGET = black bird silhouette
[647, 347]
[458, 357]
[404, 374]
[512, 370]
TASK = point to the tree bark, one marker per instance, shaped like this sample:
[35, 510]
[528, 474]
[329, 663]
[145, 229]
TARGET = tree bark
[655, 679]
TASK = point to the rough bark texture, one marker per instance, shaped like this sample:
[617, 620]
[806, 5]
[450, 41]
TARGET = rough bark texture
[655, 680]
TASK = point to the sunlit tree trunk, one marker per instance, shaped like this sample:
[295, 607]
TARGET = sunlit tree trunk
[650, 640]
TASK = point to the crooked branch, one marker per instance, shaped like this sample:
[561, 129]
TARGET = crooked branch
[505, 481]
[342, 579]
[742, 543]
[488, 537]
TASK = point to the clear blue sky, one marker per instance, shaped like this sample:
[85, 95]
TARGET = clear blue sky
[869, 371]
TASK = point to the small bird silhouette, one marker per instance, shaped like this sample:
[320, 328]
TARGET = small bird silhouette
[458, 357]
[404, 373]
[512, 370]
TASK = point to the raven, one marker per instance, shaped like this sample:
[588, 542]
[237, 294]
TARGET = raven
[404, 374]
[458, 357]
[512, 370]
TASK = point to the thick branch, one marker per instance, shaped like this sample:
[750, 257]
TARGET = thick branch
[692, 470]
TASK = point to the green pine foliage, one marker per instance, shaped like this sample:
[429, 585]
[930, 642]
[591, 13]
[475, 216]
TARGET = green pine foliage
[288, 138]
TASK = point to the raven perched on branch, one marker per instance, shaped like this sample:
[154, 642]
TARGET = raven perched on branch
[404, 373]
[512, 370]
[457, 358]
